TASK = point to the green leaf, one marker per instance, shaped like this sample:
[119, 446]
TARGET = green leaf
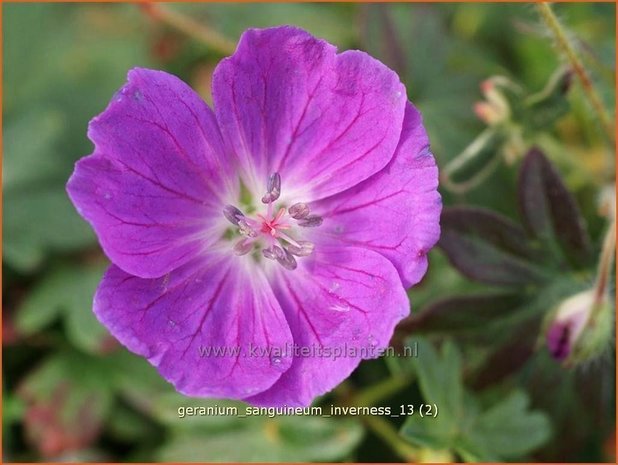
[390, 31]
[281, 439]
[38, 221]
[74, 65]
[137, 380]
[29, 149]
[507, 430]
[127, 425]
[550, 212]
[233, 19]
[12, 409]
[488, 247]
[66, 291]
[439, 378]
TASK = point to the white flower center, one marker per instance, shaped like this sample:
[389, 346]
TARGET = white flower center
[273, 233]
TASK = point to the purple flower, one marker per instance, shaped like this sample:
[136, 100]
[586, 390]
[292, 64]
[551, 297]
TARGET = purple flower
[293, 216]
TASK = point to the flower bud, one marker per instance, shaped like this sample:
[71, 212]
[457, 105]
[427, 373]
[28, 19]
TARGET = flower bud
[495, 109]
[580, 328]
[488, 113]
[547, 106]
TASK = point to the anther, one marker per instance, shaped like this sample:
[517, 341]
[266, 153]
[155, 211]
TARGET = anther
[287, 261]
[298, 211]
[303, 249]
[243, 247]
[273, 253]
[273, 188]
[311, 221]
[245, 229]
[232, 214]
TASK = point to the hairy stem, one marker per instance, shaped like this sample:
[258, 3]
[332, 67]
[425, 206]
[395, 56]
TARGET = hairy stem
[605, 265]
[564, 44]
[190, 27]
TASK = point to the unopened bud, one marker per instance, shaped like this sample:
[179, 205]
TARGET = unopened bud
[503, 96]
[545, 107]
[487, 113]
[580, 328]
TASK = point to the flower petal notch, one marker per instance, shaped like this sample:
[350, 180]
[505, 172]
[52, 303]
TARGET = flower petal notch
[260, 251]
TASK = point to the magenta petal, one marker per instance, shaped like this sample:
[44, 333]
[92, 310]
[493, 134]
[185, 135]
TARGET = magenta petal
[156, 177]
[396, 212]
[286, 102]
[198, 325]
[346, 300]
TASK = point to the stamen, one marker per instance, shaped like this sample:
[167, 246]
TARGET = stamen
[311, 221]
[282, 256]
[302, 249]
[232, 214]
[273, 253]
[287, 238]
[298, 211]
[245, 229]
[243, 247]
[280, 213]
[273, 188]
[268, 230]
[287, 261]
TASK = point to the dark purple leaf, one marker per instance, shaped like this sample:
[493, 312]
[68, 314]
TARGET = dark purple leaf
[488, 247]
[510, 356]
[461, 313]
[549, 211]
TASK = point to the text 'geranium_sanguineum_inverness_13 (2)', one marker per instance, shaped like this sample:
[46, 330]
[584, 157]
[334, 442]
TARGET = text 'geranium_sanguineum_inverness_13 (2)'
[293, 214]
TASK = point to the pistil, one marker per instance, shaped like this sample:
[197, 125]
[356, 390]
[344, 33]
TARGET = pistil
[267, 230]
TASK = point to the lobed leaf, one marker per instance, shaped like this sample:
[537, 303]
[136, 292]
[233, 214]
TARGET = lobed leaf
[280, 439]
[65, 291]
[505, 431]
[439, 378]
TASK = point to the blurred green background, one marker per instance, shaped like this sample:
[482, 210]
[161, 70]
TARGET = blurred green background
[70, 392]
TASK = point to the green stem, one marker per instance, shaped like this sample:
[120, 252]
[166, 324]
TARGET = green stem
[190, 27]
[389, 434]
[565, 45]
[382, 390]
[380, 427]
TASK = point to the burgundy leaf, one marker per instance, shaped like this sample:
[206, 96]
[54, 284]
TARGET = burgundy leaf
[488, 247]
[550, 212]
[461, 313]
[66, 402]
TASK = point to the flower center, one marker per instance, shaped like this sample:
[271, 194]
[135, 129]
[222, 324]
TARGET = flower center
[274, 234]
